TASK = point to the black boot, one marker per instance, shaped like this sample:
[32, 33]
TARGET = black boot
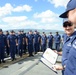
[3, 61]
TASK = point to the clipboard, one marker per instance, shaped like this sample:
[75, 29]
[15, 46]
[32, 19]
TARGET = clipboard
[49, 58]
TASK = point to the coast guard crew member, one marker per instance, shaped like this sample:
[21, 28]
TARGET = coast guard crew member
[7, 48]
[70, 13]
[23, 35]
[57, 40]
[44, 41]
[25, 43]
[50, 40]
[5, 55]
[12, 42]
[2, 46]
[29, 42]
[20, 43]
[36, 40]
[69, 37]
[39, 42]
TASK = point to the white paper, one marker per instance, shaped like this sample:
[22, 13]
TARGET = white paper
[49, 58]
[50, 55]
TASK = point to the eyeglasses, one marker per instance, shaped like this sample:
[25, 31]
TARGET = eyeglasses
[67, 23]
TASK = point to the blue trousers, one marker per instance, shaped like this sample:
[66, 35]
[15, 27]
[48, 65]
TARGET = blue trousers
[1, 53]
[12, 51]
[7, 50]
[39, 47]
[30, 49]
[36, 47]
[50, 44]
[57, 46]
[24, 48]
[43, 47]
[20, 49]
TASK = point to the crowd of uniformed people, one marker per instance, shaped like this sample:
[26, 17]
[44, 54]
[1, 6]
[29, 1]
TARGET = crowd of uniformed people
[12, 44]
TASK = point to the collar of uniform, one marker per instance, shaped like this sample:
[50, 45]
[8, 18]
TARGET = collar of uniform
[72, 36]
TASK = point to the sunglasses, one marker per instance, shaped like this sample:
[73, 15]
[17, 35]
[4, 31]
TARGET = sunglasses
[67, 23]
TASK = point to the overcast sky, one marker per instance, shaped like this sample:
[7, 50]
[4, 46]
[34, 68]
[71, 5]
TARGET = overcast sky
[31, 14]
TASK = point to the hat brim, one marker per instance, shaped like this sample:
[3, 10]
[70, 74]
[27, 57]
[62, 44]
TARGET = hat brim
[64, 15]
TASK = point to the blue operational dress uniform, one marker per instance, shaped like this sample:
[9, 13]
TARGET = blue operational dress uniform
[71, 63]
[36, 42]
[2, 46]
[12, 43]
[67, 44]
[7, 48]
[20, 44]
[50, 41]
[16, 34]
[39, 42]
[5, 54]
[57, 39]
[44, 42]
[30, 38]
[24, 43]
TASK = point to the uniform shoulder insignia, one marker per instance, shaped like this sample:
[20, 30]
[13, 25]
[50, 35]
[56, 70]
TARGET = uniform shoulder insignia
[69, 44]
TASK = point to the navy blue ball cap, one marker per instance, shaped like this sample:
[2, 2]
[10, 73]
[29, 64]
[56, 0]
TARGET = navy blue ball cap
[12, 31]
[70, 6]
[30, 31]
[6, 31]
[35, 30]
[0, 30]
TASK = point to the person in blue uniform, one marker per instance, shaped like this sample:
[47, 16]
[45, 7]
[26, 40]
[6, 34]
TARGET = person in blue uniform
[7, 48]
[39, 42]
[44, 41]
[15, 35]
[69, 37]
[57, 40]
[50, 40]
[36, 42]
[2, 46]
[29, 42]
[71, 63]
[24, 42]
[20, 40]
[5, 53]
[12, 42]
[70, 13]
